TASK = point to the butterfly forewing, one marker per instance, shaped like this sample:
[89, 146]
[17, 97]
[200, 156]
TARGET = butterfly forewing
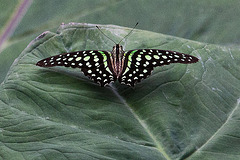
[140, 63]
[94, 64]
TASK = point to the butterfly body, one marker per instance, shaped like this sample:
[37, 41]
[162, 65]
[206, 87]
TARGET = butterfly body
[117, 60]
[128, 67]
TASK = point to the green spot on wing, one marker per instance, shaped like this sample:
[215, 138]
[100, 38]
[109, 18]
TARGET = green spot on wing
[96, 59]
[156, 57]
[104, 55]
[70, 59]
[107, 69]
[148, 57]
[127, 69]
[86, 58]
[133, 51]
[164, 57]
[129, 63]
[131, 54]
[78, 58]
[105, 64]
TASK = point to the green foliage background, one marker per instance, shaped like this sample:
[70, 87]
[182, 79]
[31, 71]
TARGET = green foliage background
[180, 112]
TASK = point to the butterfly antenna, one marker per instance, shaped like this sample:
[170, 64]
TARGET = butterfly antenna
[105, 35]
[129, 33]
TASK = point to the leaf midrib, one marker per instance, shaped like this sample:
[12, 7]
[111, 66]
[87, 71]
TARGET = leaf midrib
[142, 123]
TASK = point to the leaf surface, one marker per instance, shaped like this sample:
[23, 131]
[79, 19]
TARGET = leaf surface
[180, 111]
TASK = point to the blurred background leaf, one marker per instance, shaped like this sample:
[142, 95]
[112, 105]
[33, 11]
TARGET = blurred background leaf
[31, 109]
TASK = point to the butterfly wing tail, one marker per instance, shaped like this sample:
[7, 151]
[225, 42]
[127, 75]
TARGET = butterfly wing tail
[183, 58]
[65, 59]
[51, 61]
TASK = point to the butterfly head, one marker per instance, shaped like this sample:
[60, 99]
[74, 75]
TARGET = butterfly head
[117, 48]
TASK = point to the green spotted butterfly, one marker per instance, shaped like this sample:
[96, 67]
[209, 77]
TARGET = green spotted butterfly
[128, 67]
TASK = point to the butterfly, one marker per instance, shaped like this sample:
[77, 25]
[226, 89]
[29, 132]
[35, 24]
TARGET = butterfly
[128, 67]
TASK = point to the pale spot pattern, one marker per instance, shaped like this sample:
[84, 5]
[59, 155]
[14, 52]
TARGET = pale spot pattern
[92, 63]
[98, 66]
[142, 63]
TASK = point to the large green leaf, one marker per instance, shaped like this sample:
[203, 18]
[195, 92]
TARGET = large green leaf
[181, 111]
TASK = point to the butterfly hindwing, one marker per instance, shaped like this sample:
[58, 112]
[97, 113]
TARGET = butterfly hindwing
[94, 64]
[139, 64]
